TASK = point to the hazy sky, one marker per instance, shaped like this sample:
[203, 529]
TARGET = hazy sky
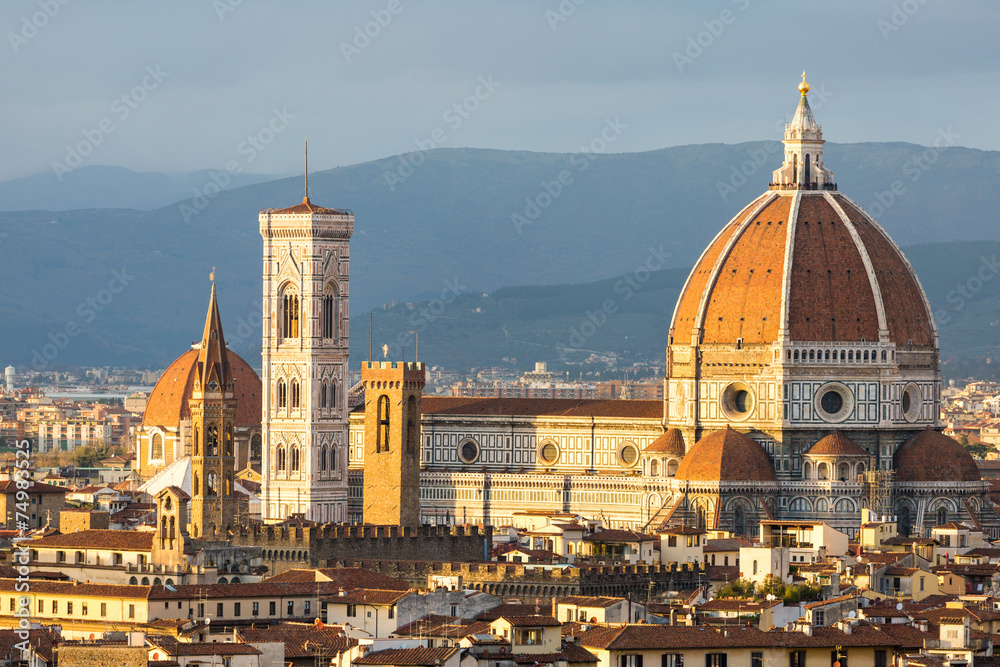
[200, 77]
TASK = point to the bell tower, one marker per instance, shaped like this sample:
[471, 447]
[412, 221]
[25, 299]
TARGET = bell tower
[214, 505]
[392, 442]
[304, 369]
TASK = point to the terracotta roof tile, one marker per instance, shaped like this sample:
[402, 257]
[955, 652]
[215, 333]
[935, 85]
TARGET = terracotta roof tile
[931, 456]
[836, 444]
[409, 657]
[121, 540]
[726, 455]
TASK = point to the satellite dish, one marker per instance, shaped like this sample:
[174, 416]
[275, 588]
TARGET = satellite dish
[689, 617]
[852, 614]
[899, 606]
[319, 624]
[403, 645]
[92, 636]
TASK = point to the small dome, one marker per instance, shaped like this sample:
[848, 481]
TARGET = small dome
[168, 402]
[836, 444]
[931, 456]
[671, 442]
[726, 456]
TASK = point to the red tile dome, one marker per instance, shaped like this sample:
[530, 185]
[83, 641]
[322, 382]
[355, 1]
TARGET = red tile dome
[836, 444]
[671, 442]
[726, 456]
[168, 403]
[810, 262]
[931, 456]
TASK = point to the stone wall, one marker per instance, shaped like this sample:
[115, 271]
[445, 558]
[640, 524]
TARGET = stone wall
[98, 655]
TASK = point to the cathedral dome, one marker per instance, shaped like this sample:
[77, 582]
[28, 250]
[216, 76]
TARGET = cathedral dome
[168, 403]
[802, 263]
[931, 456]
[810, 265]
[726, 456]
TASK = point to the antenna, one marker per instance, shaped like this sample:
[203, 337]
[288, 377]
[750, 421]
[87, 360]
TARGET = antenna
[371, 319]
[307, 171]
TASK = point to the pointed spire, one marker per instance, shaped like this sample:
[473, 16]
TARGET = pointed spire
[305, 199]
[213, 361]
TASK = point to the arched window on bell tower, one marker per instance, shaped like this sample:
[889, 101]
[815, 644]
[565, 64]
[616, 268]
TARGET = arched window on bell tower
[322, 394]
[382, 444]
[289, 314]
[212, 440]
[329, 314]
[282, 395]
[294, 391]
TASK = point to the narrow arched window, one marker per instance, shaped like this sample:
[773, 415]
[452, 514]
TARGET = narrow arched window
[322, 394]
[295, 459]
[255, 446]
[280, 456]
[290, 315]
[157, 448]
[294, 391]
[212, 440]
[229, 440]
[282, 396]
[333, 393]
[382, 441]
[329, 312]
[322, 459]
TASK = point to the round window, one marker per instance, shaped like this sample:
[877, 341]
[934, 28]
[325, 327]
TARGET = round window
[833, 402]
[737, 401]
[906, 402]
[548, 453]
[468, 451]
[628, 455]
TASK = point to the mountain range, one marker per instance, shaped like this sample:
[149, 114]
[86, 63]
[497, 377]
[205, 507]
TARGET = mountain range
[127, 286]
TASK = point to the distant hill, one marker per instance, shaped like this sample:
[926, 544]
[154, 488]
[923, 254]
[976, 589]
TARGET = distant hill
[96, 186]
[565, 324]
[446, 226]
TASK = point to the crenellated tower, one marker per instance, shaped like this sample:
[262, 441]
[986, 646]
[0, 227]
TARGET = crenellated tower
[305, 352]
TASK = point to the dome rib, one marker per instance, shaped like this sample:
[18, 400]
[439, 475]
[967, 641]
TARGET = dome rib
[883, 327]
[713, 277]
[875, 229]
[689, 309]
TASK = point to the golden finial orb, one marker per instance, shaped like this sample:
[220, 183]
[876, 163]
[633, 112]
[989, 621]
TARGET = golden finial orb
[803, 87]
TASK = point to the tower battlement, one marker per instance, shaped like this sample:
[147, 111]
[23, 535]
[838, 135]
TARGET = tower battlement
[409, 371]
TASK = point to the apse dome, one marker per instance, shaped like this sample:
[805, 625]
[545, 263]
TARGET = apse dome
[726, 456]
